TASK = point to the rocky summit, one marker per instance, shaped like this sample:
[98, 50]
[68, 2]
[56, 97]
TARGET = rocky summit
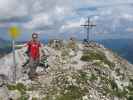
[76, 71]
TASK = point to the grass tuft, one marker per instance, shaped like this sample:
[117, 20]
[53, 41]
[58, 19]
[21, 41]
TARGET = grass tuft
[96, 55]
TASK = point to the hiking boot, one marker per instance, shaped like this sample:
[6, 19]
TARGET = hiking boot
[33, 76]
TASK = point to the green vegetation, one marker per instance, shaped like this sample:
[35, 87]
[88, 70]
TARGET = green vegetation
[24, 97]
[130, 98]
[98, 64]
[73, 93]
[130, 88]
[21, 88]
[127, 92]
[119, 93]
[67, 90]
[112, 89]
[34, 98]
[93, 77]
[130, 92]
[96, 55]
[83, 75]
[131, 81]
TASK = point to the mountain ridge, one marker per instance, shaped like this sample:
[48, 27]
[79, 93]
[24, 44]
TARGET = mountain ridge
[76, 72]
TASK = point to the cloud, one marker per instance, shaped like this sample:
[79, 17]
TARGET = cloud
[129, 29]
[15, 19]
[63, 16]
[11, 8]
[38, 21]
[72, 24]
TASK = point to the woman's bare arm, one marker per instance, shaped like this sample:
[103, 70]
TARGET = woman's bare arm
[21, 46]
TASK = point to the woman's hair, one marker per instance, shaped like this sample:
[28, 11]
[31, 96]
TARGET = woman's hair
[34, 35]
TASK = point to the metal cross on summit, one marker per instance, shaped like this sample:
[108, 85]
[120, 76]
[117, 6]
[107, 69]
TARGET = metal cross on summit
[88, 26]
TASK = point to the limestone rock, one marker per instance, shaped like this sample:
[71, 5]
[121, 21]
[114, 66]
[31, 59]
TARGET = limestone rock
[4, 93]
[91, 72]
[15, 95]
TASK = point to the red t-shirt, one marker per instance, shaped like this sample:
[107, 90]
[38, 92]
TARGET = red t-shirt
[34, 47]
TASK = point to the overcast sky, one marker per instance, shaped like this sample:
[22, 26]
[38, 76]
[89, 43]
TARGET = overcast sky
[62, 18]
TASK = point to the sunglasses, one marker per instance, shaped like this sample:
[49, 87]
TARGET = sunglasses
[34, 36]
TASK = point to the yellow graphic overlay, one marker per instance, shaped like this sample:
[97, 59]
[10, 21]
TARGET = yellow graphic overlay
[14, 32]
